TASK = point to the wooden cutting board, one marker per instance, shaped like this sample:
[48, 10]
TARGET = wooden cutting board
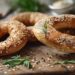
[42, 60]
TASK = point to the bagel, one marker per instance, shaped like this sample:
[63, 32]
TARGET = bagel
[46, 31]
[17, 37]
[29, 19]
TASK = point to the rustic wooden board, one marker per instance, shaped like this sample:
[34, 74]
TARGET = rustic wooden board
[42, 60]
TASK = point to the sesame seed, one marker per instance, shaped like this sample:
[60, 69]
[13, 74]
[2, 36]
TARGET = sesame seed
[51, 66]
[68, 66]
[72, 66]
[13, 69]
[5, 72]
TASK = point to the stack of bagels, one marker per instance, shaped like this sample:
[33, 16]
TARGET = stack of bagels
[33, 26]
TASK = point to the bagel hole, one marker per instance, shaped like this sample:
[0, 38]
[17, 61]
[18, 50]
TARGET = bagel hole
[27, 23]
[70, 31]
[4, 37]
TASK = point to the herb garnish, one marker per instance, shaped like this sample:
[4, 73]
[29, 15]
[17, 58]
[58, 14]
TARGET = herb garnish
[45, 27]
[29, 5]
[17, 60]
[65, 62]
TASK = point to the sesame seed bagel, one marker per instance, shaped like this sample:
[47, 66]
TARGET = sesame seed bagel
[46, 31]
[29, 19]
[17, 37]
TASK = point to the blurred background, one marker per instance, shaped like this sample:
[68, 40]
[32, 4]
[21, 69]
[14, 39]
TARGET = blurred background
[9, 8]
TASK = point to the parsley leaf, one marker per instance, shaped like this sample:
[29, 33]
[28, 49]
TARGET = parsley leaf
[65, 62]
[17, 60]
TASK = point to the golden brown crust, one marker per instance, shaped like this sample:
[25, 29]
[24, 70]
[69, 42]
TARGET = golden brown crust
[61, 41]
[29, 19]
[17, 37]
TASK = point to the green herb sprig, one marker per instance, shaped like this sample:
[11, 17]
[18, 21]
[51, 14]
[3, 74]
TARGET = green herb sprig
[29, 5]
[65, 62]
[17, 60]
